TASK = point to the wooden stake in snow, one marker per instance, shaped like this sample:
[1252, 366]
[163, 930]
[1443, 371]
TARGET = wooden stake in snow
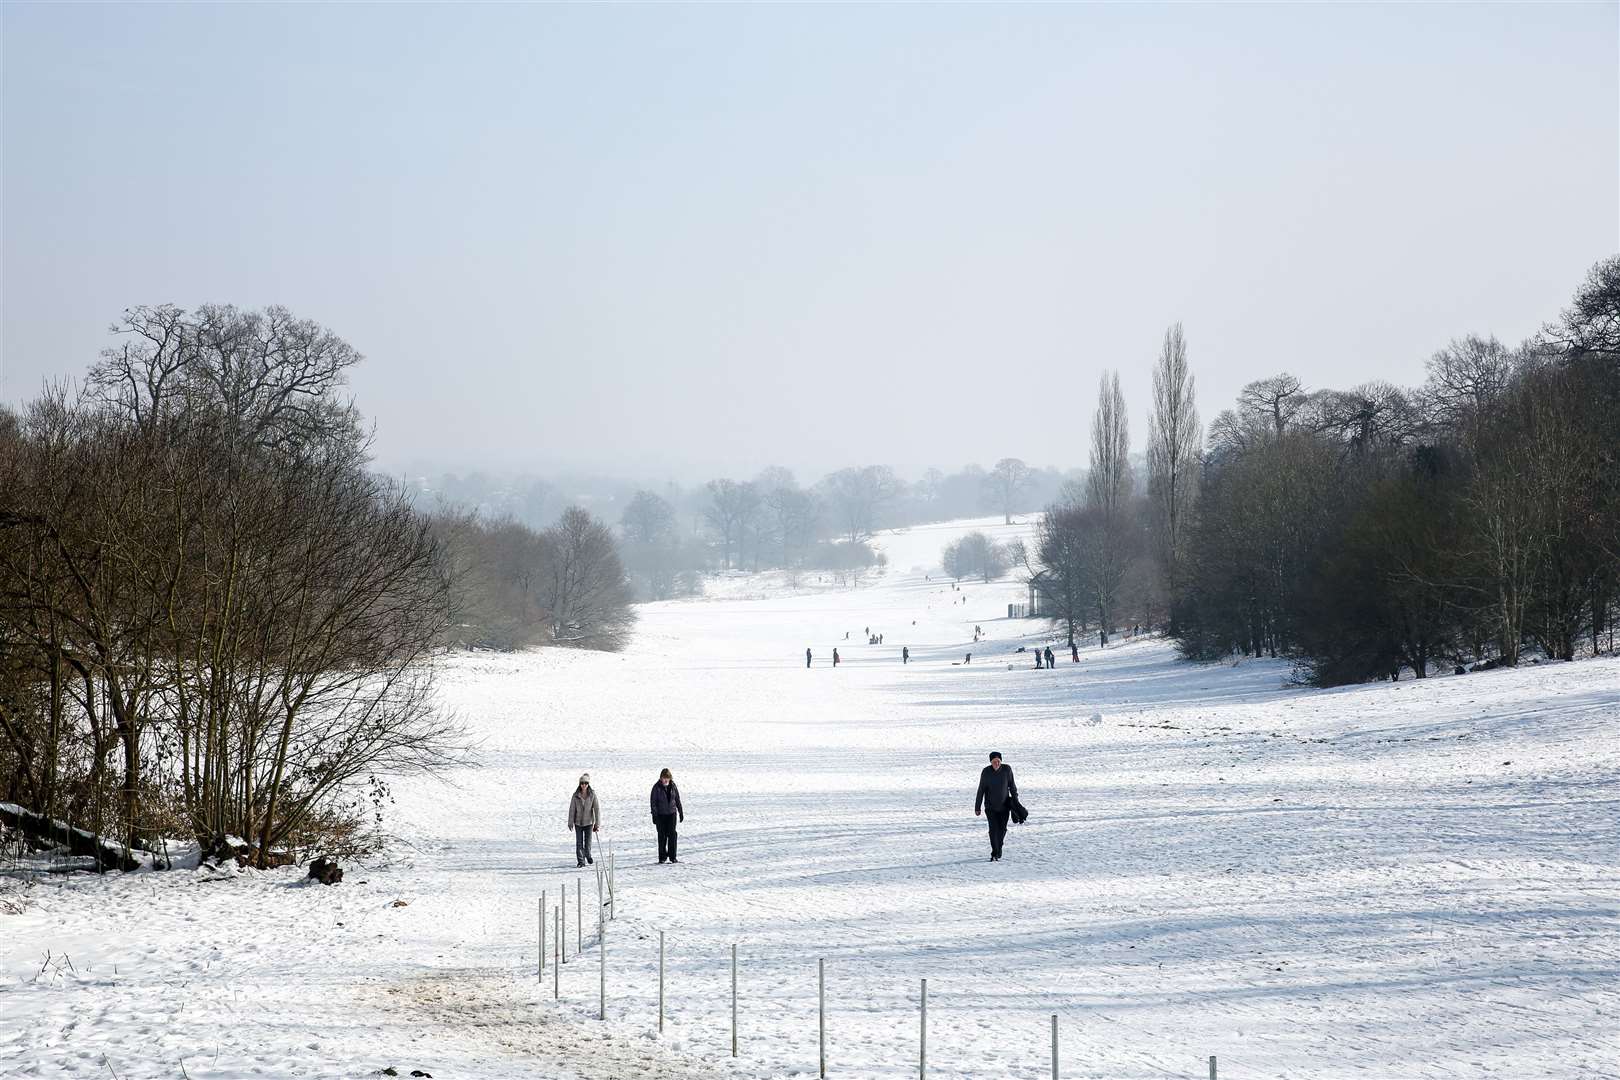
[922, 1042]
[734, 1001]
[660, 980]
[821, 1011]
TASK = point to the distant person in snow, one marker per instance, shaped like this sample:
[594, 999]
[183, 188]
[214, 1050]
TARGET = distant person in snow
[1051, 661]
[666, 809]
[905, 654]
[1074, 652]
[968, 659]
[807, 658]
[585, 818]
[1037, 659]
[997, 791]
[835, 658]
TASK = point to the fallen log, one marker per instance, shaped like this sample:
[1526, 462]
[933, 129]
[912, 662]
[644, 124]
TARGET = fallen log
[108, 855]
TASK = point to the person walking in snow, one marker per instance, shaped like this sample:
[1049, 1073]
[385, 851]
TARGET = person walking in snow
[666, 809]
[807, 658]
[585, 818]
[1051, 662]
[996, 791]
[1074, 652]
[905, 654]
[835, 658]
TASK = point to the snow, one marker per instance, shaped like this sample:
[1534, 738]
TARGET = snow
[1393, 880]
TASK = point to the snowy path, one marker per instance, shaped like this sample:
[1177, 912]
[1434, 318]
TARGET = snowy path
[1389, 881]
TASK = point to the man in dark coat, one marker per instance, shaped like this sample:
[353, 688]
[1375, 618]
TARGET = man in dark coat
[807, 658]
[996, 790]
[666, 805]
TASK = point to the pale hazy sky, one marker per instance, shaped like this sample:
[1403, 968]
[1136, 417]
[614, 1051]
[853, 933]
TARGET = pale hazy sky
[675, 241]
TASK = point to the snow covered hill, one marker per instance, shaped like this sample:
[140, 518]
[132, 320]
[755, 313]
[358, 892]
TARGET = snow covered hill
[1387, 881]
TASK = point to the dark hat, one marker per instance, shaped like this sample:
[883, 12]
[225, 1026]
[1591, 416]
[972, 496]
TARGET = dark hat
[994, 754]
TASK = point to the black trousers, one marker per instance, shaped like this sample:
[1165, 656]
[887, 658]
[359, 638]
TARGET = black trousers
[998, 828]
[666, 835]
[582, 843]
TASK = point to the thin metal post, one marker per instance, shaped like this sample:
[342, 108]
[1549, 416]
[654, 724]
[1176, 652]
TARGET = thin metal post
[821, 1010]
[1212, 1067]
[601, 952]
[563, 919]
[1054, 1048]
[922, 1041]
[556, 967]
[542, 973]
[734, 1001]
[579, 914]
[601, 911]
[660, 980]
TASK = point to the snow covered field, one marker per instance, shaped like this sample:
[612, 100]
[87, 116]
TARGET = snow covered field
[1386, 881]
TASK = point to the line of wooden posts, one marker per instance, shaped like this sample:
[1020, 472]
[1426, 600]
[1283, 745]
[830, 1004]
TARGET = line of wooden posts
[604, 914]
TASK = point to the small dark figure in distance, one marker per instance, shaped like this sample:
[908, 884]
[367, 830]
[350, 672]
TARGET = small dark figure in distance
[1074, 652]
[969, 659]
[1037, 659]
[997, 790]
[807, 658]
[585, 818]
[905, 654]
[835, 658]
[666, 809]
[1051, 662]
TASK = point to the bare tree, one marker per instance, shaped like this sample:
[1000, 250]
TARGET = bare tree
[1005, 483]
[731, 506]
[1466, 378]
[858, 496]
[1065, 543]
[585, 588]
[1174, 450]
[1274, 400]
[976, 555]
[1109, 489]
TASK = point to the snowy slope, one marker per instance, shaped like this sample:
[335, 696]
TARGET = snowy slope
[1408, 880]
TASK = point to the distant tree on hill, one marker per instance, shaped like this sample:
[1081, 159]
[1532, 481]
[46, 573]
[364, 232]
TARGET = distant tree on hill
[583, 586]
[731, 507]
[859, 496]
[975, 555]
[1005, 483]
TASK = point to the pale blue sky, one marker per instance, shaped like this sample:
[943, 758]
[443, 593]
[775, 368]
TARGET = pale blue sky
[674, 241]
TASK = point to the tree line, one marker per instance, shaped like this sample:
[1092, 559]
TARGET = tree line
[215, 619]
[1363, 532]
[772, 521]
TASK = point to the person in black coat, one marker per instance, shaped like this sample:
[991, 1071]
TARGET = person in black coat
[997, 790]
[666, 808]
